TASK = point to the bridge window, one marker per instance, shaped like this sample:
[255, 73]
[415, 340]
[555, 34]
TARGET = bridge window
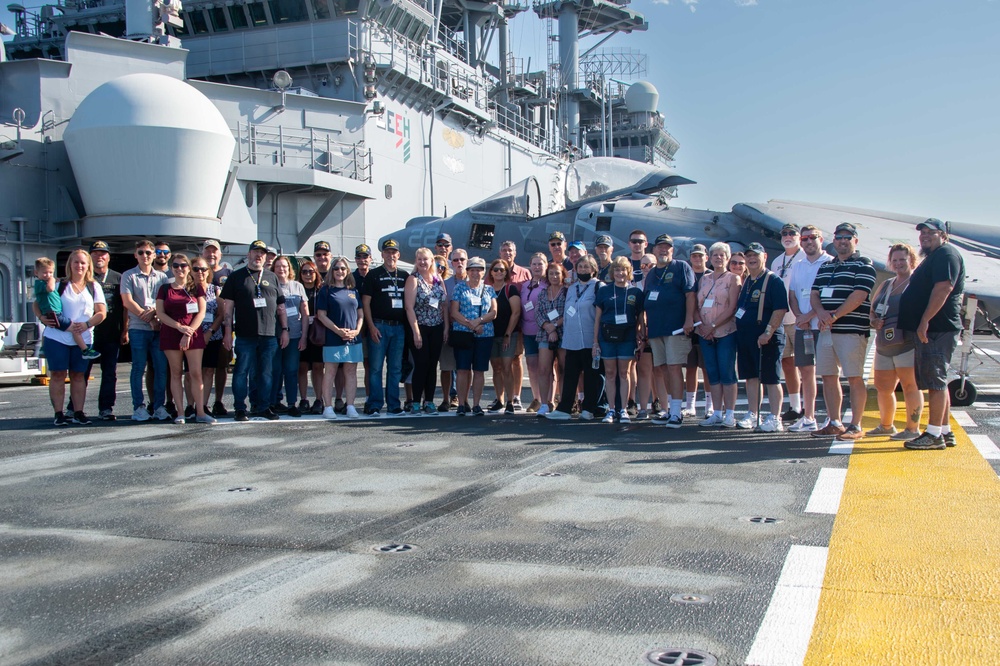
[198, 24]
[288, 11]
[257, 14]
[218, 17]
[321, 9]
[238, 17]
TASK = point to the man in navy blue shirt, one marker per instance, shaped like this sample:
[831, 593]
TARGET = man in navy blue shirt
[669, 305]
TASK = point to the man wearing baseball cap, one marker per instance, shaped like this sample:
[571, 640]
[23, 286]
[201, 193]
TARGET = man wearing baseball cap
[211, 252]
[930, 307]
[557, 250]
[782, 267]
[253, 308]
[322, 256]
[841, 298]
[382, 300]
[604, 247]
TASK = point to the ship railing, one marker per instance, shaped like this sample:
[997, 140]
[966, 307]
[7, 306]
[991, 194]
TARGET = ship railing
[279, 146]
[452, 43]
[515, 123]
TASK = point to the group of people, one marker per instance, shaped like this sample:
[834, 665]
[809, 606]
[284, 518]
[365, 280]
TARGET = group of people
[614, 338]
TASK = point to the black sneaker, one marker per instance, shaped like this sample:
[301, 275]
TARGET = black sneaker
[303, 405]
[294, 411]
[317, 407]
[509, 409]
[60, 420]
[926, 442]
[461, 410]
[444, 406]
[108, 415]
[241, 415]
[269, 414]
[949, 439]
[396, 412]
[189, 412]
[171, 409]
[218, 409]
[495, 407]
[478, 411]
[280, 407]
[79, 418]
[791, 416]
[632, 409]
[674, 421]
[371, 411]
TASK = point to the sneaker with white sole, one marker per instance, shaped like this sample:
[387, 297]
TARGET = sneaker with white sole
[748, 422]
[352, 412]
[329, 413]
[729, 421]
[609, 417]
[556, 415]
[770, 424]
[161, 414]
[804, 425]
[586, 416]
[140, 414]
[207, 419]
[674, 421]
[642, 415]
[689, 411]
[543, 409]
[660, 418]
[713, 421]
[623, 417]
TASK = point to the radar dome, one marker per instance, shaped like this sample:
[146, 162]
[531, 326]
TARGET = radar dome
[150, 150]
[642, 97]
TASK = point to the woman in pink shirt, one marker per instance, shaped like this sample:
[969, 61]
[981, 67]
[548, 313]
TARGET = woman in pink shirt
[717, 297]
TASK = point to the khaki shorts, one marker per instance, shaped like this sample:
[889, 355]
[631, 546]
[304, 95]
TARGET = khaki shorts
[904, 360]
[447, 359]
[670, 349]
[840, 354]
[789, 349]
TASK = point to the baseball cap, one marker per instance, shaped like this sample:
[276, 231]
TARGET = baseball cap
[846, 226]
[271, 250]
[756, 248]
[362, 250]
[443, 237]
[664, 238]
[604, 240]
[698, 248]
[321, 246]
[258, 245]
[99, 246]
[791, 227]
[390, 244]
[933, 223]
[557, 235]
[476, 262]
[578, 245]
[211, 243]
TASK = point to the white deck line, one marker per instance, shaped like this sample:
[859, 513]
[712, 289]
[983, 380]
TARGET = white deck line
[783, 636]
[841, 448]
[825, 497]
[963, 419]
[985, 446]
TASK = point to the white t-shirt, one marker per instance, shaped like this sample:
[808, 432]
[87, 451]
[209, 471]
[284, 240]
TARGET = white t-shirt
[803, 276]
[77, 308]
[782, 267]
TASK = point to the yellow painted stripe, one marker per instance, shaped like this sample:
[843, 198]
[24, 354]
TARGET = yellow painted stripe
[913, 573]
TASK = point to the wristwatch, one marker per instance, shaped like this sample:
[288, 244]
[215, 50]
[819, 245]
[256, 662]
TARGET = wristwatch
[285, 328]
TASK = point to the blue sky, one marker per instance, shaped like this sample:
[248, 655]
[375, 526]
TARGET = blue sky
[885, 104]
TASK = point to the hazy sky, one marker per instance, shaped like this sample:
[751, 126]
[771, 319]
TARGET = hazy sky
[885, 104]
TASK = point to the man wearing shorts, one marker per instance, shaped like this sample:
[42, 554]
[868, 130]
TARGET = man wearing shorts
[841, 298]
[669, 299]
[806, 327]
[782, 267]
[931, 308]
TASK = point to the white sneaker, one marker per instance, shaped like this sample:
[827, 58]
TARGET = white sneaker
[729, 421]
[140, 414]
[556, 415]
[804, 425]
[747, 422]
[161, 414]
[689, 411]
[329, 413]
[660, 419]
[769, 424]
[543, 409]
[713, 421]
[352, 412]
[623, 417]
[586, 416]
[207, 418]
[609, 417]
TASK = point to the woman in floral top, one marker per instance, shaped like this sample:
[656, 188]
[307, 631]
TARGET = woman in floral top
[549, 319]
[427, 314]
[473, 309]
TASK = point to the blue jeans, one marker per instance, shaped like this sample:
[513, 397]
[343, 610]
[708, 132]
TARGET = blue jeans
[254, 363]
[145, 344]
[720, 360]
[286, 369]
[389, 351]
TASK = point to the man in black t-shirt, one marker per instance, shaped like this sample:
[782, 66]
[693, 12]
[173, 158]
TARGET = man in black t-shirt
[252, 303]
[931, 307]
[382, 299]
[211, 252]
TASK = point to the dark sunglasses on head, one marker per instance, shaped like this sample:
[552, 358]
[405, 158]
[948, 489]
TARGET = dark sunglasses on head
[163, 252]
[180, 265]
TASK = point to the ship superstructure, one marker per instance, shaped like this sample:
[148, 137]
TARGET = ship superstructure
[348, 117]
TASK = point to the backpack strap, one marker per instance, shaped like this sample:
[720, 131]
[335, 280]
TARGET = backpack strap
[61, 287]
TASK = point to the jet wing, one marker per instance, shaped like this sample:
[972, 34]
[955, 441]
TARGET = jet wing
[877, 232]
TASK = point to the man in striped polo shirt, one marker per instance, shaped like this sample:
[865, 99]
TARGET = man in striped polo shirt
[841, 298]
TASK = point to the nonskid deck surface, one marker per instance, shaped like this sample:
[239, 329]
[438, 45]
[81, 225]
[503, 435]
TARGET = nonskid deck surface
[496, 540]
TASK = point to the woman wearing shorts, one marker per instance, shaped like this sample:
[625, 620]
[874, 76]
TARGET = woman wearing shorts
[894, 349]
[83, 304]
[505, 336]
[311, 358]
[617, 326]
[426, 313]
[549, 314]
[473, 309]
[180, 307]
[339, 309]
[211, 329]
[530, 291]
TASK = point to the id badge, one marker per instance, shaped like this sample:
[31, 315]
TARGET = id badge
[397, 304]
[826, 292]
[653, 295]
[709, 302]
[571, 311]
[433, 302]
[312, 318]
[739, 313]
[192, 308]
[209, 318]
[292, 313]
[260, 302]
[529, 306]
[553, 315]
[881, 309]
[475, 300]
[621, 319]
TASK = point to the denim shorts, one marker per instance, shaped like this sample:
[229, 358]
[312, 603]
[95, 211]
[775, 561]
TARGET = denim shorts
[530, 345]
[720, 360]
[932, 359]
[343, 353]
[618, 350]
[477, 358]
[60, 357]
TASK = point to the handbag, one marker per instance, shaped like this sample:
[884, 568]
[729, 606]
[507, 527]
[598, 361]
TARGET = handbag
[461, 339]
[616, 332]
[317, 333]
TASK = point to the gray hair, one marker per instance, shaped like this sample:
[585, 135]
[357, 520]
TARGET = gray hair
[726, 250]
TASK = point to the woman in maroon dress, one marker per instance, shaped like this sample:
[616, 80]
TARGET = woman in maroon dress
[180, 307]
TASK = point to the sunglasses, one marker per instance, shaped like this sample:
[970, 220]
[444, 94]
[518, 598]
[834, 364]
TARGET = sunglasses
[443, 244]
[307, 271]
[457, 261]
[340, 268]
[843, 238]
[163, 252]
[498, 269]
[737, 263]
[555, 244]
[144, 252]
[441, 267]
[789, 233]
[805, 238]
[200, 269]
[179, 266]
[636, 240]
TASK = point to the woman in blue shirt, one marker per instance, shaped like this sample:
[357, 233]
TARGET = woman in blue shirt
[473, 309]
[339, 309]
[616, 328]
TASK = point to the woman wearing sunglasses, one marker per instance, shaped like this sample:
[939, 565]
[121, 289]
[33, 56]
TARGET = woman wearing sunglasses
[211, 328]
[285, 369]
[180, 307]
[311, 358]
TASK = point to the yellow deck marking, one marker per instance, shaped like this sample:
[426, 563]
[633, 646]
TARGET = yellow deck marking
[913, 573]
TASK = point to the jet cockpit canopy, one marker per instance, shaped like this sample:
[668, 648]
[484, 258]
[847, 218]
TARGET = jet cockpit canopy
[522, 199]
[606, 177]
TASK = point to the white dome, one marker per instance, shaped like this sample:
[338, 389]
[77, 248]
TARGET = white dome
[642, 97]
[148, 144]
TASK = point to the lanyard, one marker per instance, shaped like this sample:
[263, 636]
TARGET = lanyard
[257, 280]
[785, 261]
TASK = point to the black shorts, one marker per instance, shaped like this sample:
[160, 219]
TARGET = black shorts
[931, 360]
[311, 354]
[211, 357]
[754, 362]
